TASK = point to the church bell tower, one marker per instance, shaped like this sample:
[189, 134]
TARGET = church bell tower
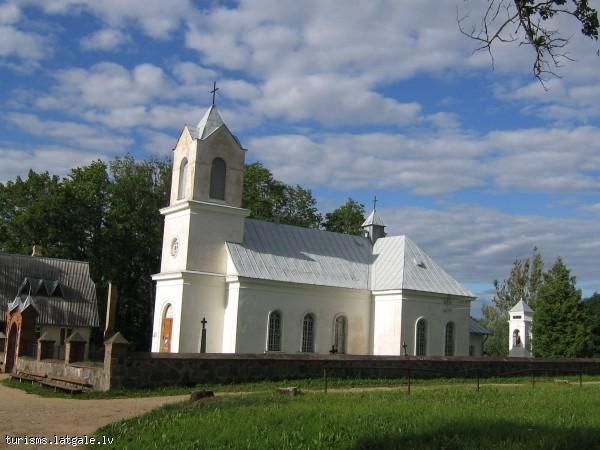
[204, 213]
[206, 197]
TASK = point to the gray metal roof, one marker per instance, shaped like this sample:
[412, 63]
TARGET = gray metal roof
[400, 264]
[522, 307]
[60, 290]
[210, 122]
[476, 328]
[301, 255]
[373, 219]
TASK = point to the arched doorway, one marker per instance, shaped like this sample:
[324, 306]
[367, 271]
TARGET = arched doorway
[11, 349]
[166, 330]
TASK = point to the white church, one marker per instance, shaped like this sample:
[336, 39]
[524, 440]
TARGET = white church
[258, 287]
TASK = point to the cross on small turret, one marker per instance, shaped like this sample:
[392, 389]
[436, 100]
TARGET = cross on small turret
[204, 322]
[214, 91]
[375, 203]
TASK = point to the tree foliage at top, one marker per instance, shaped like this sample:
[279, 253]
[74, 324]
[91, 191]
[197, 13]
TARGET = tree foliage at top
[272, 200]
[523, 282]
[532, 23]
[559, 323]
[106, 215]
[347, 219]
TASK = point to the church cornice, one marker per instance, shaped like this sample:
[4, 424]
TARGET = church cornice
[196, 206]
[181, 274]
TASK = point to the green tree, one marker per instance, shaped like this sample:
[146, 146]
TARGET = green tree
[591, 308]
[107, 216]
[348, 218]
[523, 282]
[134, 229]
[33, 211]
[262, 194]
[272, 200]
[559, 324]
[298, 208]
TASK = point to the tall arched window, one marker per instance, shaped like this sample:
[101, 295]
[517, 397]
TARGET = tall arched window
[274, 332]
[421, 343]
[183, 179]
[308, 334]
[449, 347]
[218, 173]
[339, 334]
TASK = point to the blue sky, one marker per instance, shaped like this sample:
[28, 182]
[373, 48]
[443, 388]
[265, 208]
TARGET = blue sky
[477, 164]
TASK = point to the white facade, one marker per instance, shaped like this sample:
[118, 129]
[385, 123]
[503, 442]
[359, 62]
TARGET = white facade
[520, 325]
[260, 286]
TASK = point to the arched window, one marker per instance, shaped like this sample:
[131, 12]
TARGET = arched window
[218, 173]
[449, 347]
[183, 179]
[339, 334]
[274, 332]
[516, 339]
[308, 334]
[421, 343]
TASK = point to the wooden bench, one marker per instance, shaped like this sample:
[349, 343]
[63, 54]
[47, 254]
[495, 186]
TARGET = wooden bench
[24, 375]
[67, 384]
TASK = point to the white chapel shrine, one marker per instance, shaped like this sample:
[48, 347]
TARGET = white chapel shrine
[260, 287]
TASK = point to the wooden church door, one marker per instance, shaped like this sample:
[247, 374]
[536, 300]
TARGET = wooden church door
[167, 328]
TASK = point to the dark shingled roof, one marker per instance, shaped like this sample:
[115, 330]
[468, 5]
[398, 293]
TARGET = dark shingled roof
[476, 328]
[60, 290]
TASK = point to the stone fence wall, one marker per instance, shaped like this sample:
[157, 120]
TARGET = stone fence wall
[139, 370]
[95, 375]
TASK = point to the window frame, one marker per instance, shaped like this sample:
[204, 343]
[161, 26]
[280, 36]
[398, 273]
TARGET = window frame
[271, 331]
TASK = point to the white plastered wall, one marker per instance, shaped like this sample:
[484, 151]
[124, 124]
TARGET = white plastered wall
[193, 296]
[437, 310]
[386, 324]
[168, 292]
[258, 298]
[523, 324]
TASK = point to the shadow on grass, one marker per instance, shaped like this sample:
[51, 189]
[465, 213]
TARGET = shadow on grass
[500, 434]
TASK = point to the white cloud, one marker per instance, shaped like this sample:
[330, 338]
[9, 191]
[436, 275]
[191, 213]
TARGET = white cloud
[9, 13]
[156, 18]
[531, 160]
[105, 85]
[106, 39]
[477, 244]
[23, 45]
[81, 135]
[56, 160]
[425, 165]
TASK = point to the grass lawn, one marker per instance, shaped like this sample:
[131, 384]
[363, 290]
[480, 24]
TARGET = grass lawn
[456, 417]
[316, 384]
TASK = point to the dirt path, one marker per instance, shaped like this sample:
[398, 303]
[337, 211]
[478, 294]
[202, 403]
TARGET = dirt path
[23, 414]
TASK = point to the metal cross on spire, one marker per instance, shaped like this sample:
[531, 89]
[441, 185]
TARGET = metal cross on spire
[214, 91]
[375, 203]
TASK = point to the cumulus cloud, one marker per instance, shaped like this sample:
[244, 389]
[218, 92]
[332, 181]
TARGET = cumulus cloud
[530, 160]
[424, 165]
[26, 46]
[57, 160]
[106, 39]
[156, 18]
[477, 244]
[81, 135]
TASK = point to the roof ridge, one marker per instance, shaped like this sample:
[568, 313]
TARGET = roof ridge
[45, 257]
